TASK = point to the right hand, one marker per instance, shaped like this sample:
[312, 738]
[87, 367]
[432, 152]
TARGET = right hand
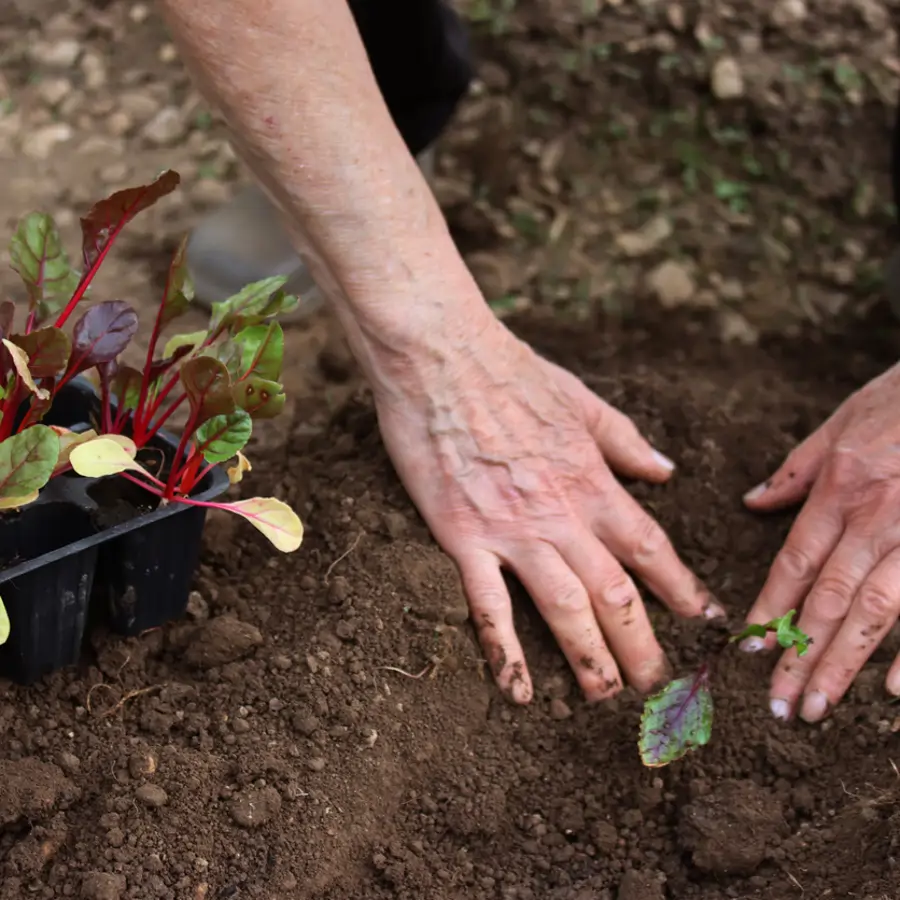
[509, 458]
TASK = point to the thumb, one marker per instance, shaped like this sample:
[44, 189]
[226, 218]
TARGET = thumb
[794, 479]
[624, 448]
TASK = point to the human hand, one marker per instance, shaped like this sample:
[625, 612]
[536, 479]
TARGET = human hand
[841, 560]
[509, 458]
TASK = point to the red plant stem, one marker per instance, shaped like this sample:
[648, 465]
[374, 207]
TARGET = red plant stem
[188, 475]
[151, 350]
[87, 278]
[206, 470]
[10, 407]
[32, 317]
[147, 487]
[189, 429]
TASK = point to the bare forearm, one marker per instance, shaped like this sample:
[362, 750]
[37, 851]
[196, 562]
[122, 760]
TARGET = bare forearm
[292, 79]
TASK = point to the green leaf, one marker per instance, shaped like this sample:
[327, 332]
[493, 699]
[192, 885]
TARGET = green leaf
[27, 461]
[126, 387]
[47, 350]
[786, 633]
[251, 301]
[4, 623]
[676, 720]
[208, 387]
[179, 289]
[262, 399]
[222, 437]
[262, 350]
[37, 254]
[188, 339]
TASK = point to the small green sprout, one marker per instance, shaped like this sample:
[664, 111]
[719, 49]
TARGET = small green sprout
[679, 718]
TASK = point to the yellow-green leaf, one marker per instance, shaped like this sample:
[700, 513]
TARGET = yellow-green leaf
[18, 503]
[276, 520]
[236, 472]
[20, 361]
[4, 623]
[107, 455]
[189, 339]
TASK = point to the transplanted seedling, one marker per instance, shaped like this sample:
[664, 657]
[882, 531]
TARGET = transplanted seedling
[679, 718]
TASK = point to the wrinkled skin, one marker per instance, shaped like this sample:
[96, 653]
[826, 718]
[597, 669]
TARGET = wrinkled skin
[841, 561]
[510, 460]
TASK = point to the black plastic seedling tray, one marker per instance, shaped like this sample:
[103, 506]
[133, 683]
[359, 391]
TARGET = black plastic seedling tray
[132, 576]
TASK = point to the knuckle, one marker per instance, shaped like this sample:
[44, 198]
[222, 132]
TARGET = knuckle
[649, 540]
[795, 563]
[617, 591]
[568, 597]
[844, 469]
[876, 603]
[831, 599]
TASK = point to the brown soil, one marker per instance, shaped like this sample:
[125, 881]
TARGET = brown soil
[277, 749]
[321, 725]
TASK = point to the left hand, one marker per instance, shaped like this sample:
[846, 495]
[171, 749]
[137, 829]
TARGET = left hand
[840, 564]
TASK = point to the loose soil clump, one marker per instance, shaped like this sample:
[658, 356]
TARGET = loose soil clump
[330, 730]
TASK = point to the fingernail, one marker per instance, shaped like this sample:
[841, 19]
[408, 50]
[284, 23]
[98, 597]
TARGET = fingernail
[752, 644]
[781, 709]
[521, 692]
[712, 610]
[664, 461]
[814, 708]
[758, 491]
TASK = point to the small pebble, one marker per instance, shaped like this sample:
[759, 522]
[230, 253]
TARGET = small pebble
[152, 795]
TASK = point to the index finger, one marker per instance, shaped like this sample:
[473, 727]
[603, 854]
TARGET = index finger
[636, 539]
[811, 541]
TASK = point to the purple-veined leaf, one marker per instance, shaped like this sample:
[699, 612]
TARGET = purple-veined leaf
[101, 334]
[676, 720]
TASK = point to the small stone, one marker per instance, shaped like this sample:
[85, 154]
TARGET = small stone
[735, 329]
[69, 762]
[396, 525]
[139, 105]
[339, 590]
[54, 90]
[317, 764]
[141, 765]
[457, 616]
[240, 726]
[167, 127]
[222, 640]
[115, 173]
[559, 709]
[152, 795]
[282, 662]
[119, 123]
[102, 886]
[40, 143]
[671, 283]
[726, 79]
[210, 192]
[253, 808]
[788, 12]
[94, 69]
[197, 607]
[61, 54]
[646, 239]
[168, 53]
[305, 725]
[637, 885]
[138, 13]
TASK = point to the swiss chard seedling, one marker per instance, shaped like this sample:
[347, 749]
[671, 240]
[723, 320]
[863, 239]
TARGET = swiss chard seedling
[679, 718]
[227, 375]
